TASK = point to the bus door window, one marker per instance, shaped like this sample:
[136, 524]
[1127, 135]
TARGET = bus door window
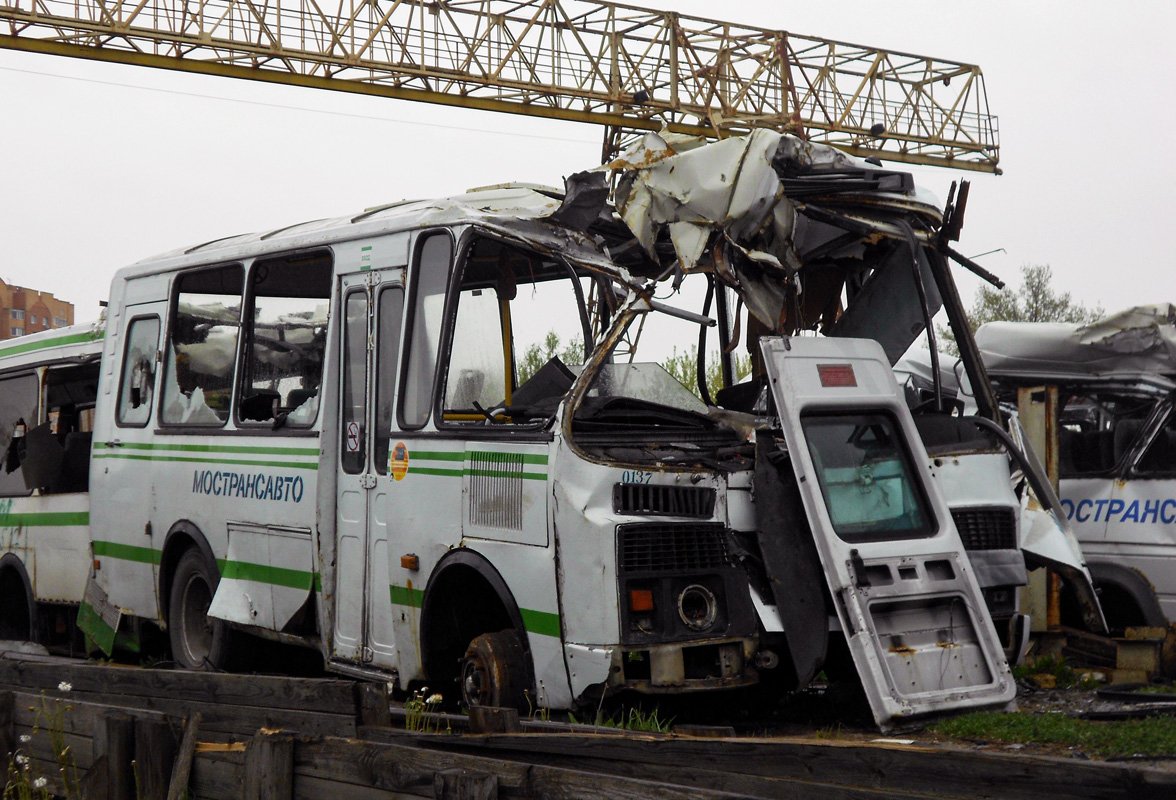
[391, 311]
[18, 413]
[138, 372]
[285, 339]
[430, 275]
[202, 346]
[353, 425]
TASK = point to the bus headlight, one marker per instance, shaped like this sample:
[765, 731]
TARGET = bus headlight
[697, 607]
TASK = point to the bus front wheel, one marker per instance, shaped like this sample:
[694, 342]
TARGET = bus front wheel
[197, 640]
[494, 672]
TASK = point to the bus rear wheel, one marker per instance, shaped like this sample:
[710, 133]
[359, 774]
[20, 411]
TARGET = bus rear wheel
[197, 640]
[494, 672]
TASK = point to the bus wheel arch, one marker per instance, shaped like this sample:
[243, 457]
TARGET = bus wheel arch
[1126, 596]
[182, 537]
[188, 578]
[18, 608]
[468, 613]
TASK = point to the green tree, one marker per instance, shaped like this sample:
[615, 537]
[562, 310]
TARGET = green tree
[684, 366]
[538, 354]
[1033, 301]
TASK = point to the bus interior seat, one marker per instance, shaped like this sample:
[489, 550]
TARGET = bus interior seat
[299, 396]
[259, 406]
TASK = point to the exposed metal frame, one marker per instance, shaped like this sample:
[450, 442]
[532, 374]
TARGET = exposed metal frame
[629, 68]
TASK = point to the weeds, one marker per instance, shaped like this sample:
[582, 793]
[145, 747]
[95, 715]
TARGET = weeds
[23, 782]
[421, 712]
[1064, 676]
[637, 719]
[538, 710]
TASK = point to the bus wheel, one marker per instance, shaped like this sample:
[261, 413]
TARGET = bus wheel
[197, 641]
[493, 672]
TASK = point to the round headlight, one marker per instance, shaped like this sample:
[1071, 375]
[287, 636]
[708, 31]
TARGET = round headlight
[697, 607]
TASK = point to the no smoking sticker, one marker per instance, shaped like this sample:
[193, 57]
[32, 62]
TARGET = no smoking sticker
[352, 440]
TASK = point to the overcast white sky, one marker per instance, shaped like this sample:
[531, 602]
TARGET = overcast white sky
[104, 165]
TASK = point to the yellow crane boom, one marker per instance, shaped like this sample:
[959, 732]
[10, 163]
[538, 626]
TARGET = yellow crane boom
[625, 67]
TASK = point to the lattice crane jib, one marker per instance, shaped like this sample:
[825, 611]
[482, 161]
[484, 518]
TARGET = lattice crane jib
[628, 68]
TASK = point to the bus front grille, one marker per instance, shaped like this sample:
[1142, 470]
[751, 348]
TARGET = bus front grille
[671, 548]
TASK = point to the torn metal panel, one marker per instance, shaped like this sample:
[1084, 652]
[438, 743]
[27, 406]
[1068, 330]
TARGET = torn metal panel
[1140, 339]
[791, 562]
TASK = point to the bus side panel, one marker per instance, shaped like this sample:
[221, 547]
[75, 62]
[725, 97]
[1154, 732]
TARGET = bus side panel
[50, 535]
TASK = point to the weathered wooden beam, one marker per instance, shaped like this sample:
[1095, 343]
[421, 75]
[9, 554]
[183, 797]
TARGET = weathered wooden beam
[155, 753]
[371, 702]
[7, 725]
[256, 691]
[269, 767]
[178, 786]
[461, 784]
[119, 741]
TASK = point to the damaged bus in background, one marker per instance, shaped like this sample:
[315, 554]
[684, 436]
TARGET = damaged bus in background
[1116, 428]
[427, 440]
[48, 388]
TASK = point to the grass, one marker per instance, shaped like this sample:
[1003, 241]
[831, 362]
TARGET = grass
[1148, 737]
[1065, 676]
[637, 719]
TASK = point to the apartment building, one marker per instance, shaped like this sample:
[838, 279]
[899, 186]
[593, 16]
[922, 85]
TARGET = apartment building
[24, 310]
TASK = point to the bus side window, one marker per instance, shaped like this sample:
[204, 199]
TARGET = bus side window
[18, 413]
[391, 311]
[202, 346]
[430, 275]
[285, 339]
[138, 372]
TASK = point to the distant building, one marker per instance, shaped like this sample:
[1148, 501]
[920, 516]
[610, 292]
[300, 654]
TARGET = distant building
[29, 311]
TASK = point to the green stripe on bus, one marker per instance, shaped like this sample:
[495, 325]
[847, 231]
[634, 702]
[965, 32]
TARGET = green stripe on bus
[264, 573]
[404, 596]
[446, 473]
[44, 519]
[127, 552]
[28, 347]
[542, 623]
[212, 448]
[498, 455]
[244, 462]
[91, 624]
[437, 455]
[499, 473]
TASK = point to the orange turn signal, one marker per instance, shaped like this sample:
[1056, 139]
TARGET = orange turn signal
[410, 562]
[640, 600]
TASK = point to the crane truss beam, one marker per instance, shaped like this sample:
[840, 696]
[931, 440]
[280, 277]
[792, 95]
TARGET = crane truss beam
[590, 62]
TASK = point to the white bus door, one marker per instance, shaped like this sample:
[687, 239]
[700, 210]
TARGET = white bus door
[372, 309]
[912, 613]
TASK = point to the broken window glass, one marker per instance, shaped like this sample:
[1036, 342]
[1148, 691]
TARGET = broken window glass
[286, 338]
[18, 413]
[1160, 456]
[202, 347]
[138, 372]
[1097, 429]
[866, 477]
[518, 336]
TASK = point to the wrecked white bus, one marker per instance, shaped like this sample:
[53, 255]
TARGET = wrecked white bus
[423, 440]
[48, 388]
[1116, 427]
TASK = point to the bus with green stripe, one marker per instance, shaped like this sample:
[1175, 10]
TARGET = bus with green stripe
[437, 442]
[48, 388]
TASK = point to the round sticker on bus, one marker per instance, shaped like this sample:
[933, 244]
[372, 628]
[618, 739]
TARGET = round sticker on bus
[398, 461]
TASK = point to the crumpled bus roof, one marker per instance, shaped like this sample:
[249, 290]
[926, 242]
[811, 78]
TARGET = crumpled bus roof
[787, 224]
[1139, 340]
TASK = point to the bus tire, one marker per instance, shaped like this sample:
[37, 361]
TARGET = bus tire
[198, 642]
[494, 672]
